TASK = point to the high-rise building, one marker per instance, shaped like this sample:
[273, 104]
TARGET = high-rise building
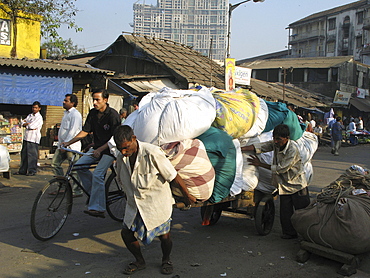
[201, 24]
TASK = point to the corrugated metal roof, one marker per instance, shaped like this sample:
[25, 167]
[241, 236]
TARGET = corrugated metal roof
[49, 65]
[314, 62]
[330, 12]
[180, 59]
[293, 94]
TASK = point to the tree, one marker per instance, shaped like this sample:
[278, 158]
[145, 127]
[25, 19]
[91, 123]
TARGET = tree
[59, 48]
[55, 13]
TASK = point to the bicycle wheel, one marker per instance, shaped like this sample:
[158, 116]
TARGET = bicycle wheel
[51, 208]
[116, 198]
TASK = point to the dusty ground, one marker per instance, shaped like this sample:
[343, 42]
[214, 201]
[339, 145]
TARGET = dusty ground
[231, 248]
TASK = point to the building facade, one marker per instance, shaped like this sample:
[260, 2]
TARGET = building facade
[201, 24]
[341, 31]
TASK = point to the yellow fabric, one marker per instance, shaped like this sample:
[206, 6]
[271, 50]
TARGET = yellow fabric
[236, 111]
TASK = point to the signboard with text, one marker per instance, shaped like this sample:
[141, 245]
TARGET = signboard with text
[229, 74]
[243, 76]
[4, 31]
[342, 98]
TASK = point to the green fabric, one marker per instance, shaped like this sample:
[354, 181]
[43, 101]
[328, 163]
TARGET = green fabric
[222, 154]
[280, 114]
[295, 128]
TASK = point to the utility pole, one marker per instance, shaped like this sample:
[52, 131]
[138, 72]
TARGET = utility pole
[231, 8]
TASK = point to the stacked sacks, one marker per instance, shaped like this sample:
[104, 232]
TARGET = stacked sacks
[189, 157]
[236, 112]
[173, 115]
[222, 154]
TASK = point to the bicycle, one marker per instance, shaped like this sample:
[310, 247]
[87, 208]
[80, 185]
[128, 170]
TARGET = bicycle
[54, 201]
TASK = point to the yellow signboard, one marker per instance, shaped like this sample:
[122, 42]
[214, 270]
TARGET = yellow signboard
[229, 74]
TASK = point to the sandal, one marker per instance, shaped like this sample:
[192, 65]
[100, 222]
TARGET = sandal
[132, 268]
[167, 268]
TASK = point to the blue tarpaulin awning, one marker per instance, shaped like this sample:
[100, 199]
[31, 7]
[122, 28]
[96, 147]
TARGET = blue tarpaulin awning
[18, 87]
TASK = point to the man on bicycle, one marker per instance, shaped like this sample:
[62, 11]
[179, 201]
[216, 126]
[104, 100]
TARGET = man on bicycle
[101, 121]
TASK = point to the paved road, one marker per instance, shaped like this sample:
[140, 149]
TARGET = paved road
[231, 247]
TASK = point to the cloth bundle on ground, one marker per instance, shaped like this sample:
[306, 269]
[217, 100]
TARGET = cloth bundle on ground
[189, 157]
[280, 114]
[260, 122]
[236, 111]
[173, 115]
[338, 219]
[222, 154]
[4, 159]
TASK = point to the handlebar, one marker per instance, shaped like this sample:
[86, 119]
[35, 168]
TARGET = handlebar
[73, 151]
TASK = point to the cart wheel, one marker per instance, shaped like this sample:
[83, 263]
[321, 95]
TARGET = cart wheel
[215, 210]
[264, 215]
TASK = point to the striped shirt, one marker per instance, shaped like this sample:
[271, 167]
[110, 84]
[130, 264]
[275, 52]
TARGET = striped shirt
[33, 129]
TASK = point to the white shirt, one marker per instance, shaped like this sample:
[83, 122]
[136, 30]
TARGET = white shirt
[352, 126]
[313, 123]
[147, 185]
[33, 129]
[71, 125]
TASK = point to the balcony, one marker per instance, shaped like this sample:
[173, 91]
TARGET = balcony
[313, 35]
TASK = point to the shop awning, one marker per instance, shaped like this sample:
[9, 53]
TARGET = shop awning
[17, 87]
[362, 104]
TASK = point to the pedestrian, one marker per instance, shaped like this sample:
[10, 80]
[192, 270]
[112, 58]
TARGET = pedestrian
[352, 126]
[31, 140]
[70, 126]
[123, 115]
[287, 175]
[336, 135]
[146, 175]
[101, 121]
[307, 123]
[360, 124]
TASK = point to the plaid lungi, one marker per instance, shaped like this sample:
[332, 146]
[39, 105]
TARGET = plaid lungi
[145, 236]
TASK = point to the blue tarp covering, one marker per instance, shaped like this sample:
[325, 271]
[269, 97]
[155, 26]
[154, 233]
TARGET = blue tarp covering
[18, 88]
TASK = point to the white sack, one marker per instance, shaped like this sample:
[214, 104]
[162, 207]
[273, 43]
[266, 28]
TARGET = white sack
[250, 172]
[237, 185]
[260, 123]
[173, 115]
[307, 146]
[4, 159]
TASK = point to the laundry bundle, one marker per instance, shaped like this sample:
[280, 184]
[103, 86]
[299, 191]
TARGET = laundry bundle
[339, 217]
[173, 115]
[223, 121]
[236, 111]
[190, 159]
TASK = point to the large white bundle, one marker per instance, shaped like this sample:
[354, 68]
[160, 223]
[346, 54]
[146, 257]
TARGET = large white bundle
[4, 159]
[260, 123]
[307, 146]
[237, 185]
[250, 172]
[173, 115]
[265, 175]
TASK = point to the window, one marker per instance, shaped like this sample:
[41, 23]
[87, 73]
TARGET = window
[360, 17]
[331, 47]
[332, 23]
[359, 42]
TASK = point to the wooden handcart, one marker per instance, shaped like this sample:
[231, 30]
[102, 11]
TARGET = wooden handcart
[254, 204]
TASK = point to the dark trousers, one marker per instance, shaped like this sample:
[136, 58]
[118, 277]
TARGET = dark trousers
[29, 157]
[288, 203]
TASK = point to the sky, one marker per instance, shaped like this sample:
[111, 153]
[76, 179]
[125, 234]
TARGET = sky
[256, 28]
